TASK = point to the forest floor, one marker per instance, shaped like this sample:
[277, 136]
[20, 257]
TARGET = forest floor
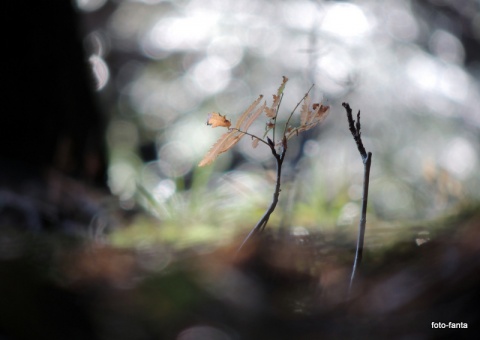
[281, 286]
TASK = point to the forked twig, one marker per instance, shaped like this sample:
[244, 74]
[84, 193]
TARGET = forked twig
[310, 117]
[367, 161]
[279, 157]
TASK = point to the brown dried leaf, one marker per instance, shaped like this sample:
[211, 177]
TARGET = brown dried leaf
[229, 139]
[252, 117]
[215, 119]
[321, 111]
[247, 118]
[269, 112]
[314, 118]
[305, 113]
[272, 110]
[224, 143]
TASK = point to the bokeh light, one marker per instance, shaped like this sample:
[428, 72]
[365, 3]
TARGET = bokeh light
[165, 65]
[345, 21]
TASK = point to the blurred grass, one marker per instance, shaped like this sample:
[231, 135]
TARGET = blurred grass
[206, 213]
[214, 214]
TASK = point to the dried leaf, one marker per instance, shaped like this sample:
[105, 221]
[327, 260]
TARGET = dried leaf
[321, 110]
[268, 126]
[247, 117]
[305, 113]
[229, 139]
[272, 110]
[311, 119]
[255, 142]
[215, 119]
[224, 143]
[252, 117]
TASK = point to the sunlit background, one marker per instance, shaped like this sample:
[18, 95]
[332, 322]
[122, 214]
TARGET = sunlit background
[162, 66]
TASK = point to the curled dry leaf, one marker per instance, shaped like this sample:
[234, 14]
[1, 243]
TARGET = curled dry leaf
[268, 126]
[272, 110]
[229, 139]
[215, 119]
[310, 118]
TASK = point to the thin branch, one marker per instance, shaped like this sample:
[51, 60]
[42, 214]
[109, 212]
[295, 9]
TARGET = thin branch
[249, 134]
[355, 130]
[367, 161]
[261, 224]
[363, 219]
[295, 109]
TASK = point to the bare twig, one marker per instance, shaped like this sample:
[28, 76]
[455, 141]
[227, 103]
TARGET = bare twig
[355, 130]
[249, 134]
[279, 157]
[367, 161]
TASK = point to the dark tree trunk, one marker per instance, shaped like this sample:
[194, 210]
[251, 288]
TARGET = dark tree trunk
[52, 151]
[50, 118]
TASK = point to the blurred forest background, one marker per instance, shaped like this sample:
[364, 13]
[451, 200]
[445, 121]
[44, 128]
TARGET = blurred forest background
[411, 67]
[118, 100]
[160, 67]
[104, 124]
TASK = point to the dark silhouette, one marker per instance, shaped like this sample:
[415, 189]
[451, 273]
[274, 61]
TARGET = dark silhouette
[50, 117]
[51, 128]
